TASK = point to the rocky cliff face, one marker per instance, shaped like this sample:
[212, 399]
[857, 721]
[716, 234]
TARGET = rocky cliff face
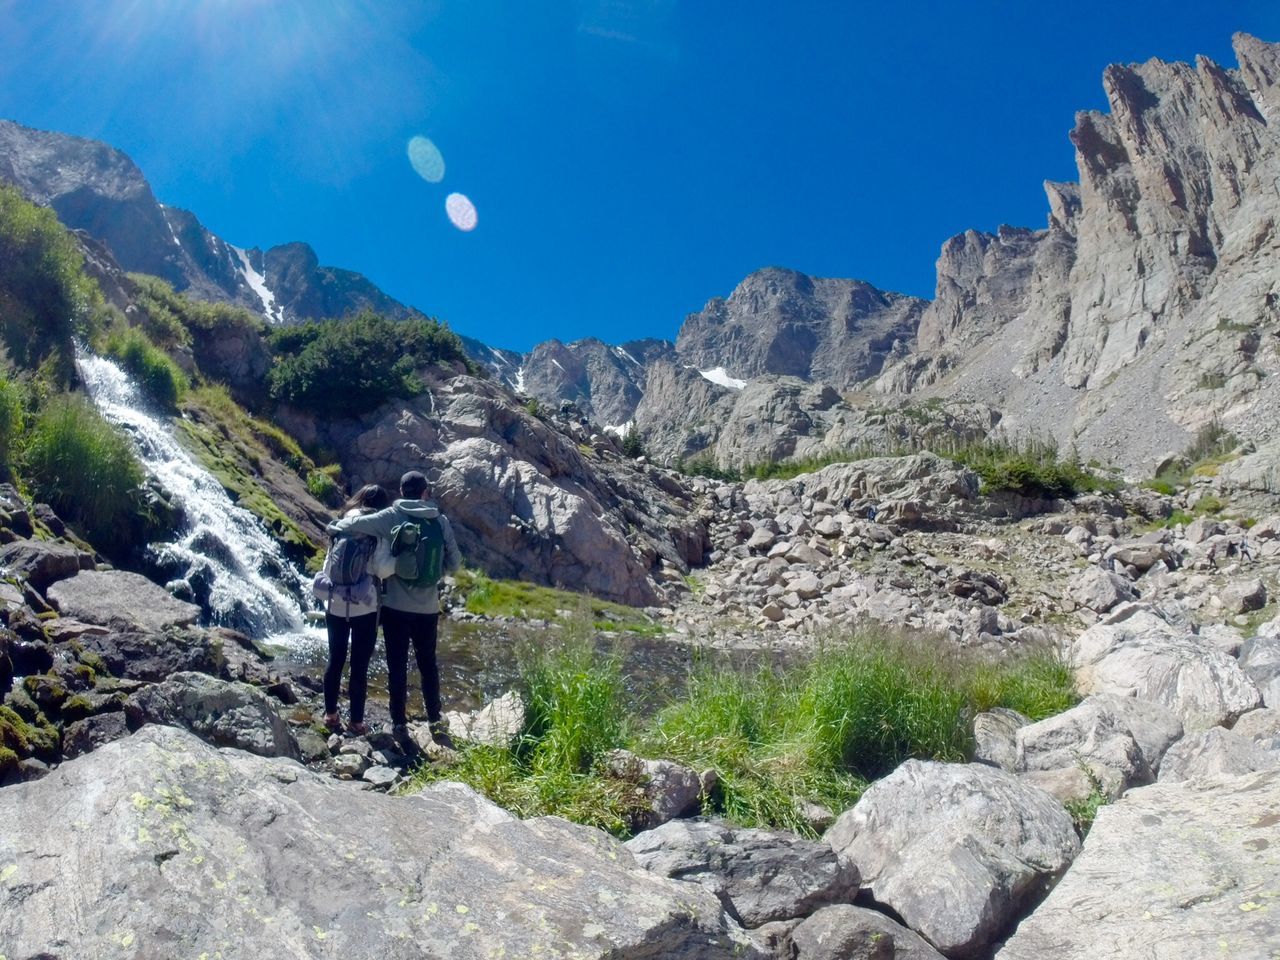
[605, 383]
[1150, 303]
[785, 323]
[540, 498]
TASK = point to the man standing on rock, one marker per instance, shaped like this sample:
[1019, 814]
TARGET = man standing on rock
[425, 548]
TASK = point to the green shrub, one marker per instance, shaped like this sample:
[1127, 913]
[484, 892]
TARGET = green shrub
[45, 298]
[322, 484]
[154, 370]
[344, 368]
[704, 465]
[85, 469]
[11, 407]
[632, 443]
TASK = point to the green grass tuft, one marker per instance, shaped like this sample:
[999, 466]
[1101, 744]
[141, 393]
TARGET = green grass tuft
[859, 707]
[156, 373]
[85, 469]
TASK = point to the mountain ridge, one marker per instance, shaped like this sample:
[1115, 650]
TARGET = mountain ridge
[1141, 311]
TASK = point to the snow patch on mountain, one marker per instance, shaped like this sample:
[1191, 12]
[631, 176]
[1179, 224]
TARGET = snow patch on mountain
[258, 284]
[720, 376]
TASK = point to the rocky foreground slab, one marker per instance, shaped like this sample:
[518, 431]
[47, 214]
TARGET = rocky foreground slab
[1179, 871]
[160, 845]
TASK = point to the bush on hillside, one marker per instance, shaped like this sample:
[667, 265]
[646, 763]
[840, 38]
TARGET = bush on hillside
[86, 470]
[344, 368]
[45, 298]
[153, 369]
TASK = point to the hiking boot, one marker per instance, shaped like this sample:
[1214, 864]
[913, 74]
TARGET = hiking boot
[440, 734]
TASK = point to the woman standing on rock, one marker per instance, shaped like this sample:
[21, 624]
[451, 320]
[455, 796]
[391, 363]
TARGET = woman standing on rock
[355, 621]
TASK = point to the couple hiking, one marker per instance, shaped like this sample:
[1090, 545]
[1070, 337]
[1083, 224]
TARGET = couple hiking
[405, 547]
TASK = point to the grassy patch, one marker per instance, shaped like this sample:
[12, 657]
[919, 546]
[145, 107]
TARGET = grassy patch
[11, 421]
[85, 469]
[155, 372]
[819, 732]
[527, 601]
[573, 716]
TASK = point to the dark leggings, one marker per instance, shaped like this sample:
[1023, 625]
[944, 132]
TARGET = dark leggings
[399, 629]
[363, 632]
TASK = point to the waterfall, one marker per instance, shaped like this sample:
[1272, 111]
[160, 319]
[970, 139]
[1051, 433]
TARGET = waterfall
[223, 554]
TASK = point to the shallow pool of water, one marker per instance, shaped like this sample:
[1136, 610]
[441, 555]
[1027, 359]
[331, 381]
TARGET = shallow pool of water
[480, 661]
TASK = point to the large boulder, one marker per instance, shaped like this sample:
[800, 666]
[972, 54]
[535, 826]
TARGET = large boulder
[669, 789]
[1216, 752]
[1097, 734]
[153, 656]
[1179, 871]
[42, 562]
[122, 599]
[995, 737]
[224, 713]
[160, 845]
[1099, 590]
[1262, 726]
[955, 850]
[1260, 659]
[1136, 653]
[846, 932]
[759, 875]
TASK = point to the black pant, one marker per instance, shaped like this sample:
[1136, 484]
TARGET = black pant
[363, 632]
[399, 629]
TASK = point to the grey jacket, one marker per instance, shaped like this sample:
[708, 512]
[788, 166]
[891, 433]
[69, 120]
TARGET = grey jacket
[400, 596]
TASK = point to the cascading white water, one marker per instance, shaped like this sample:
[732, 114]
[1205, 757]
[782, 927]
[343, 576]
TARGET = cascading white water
[224, 553]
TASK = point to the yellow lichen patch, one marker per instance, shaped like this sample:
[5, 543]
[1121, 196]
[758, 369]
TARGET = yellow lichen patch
[1249, 906]
[462, 908]
[5, 874]
[320, 934]
[140, 801]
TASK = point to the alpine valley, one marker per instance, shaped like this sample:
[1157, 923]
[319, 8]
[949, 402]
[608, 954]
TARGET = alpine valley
[942, 627]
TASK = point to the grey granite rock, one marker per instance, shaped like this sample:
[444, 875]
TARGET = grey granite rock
[166, 846]
[955, 850]
[760, 876]
[1179, 871]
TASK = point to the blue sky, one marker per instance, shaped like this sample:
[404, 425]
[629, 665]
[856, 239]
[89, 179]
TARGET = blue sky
[628, 159]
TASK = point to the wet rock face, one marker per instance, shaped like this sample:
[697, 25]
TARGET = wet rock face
[197, 850]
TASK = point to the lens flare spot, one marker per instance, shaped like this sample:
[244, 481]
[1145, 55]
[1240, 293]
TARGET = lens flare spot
[426, 159]
[461, 211]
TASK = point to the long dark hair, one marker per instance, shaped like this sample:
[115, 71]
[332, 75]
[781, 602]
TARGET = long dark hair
[367, 499]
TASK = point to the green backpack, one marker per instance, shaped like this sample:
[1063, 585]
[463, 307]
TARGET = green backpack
[418, 548]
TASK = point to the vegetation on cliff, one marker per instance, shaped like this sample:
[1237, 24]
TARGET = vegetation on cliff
[45, 297]
[349, 367]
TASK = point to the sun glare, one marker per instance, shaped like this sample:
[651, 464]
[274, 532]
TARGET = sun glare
[461, 211]
[426, 159]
